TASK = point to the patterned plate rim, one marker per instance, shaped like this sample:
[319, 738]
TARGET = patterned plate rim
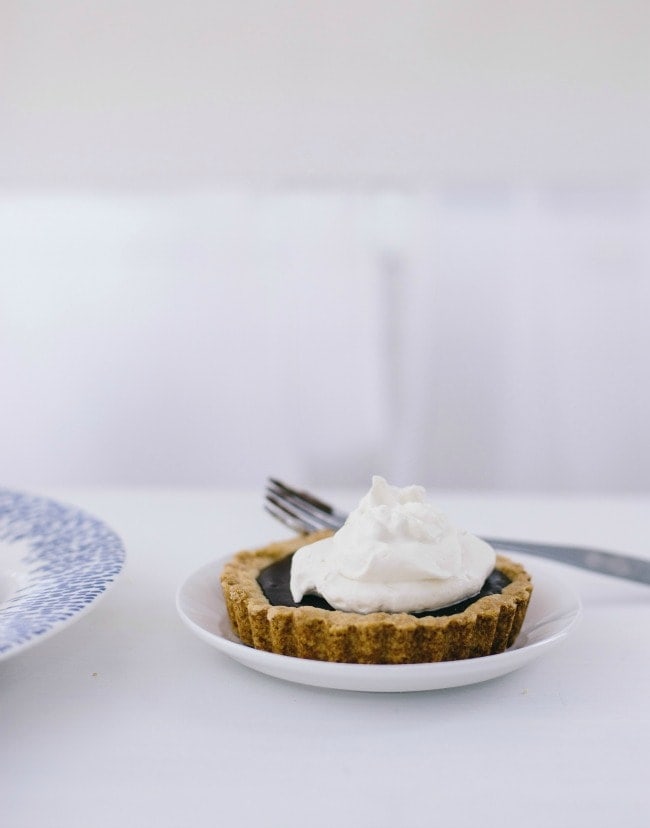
[57, 560]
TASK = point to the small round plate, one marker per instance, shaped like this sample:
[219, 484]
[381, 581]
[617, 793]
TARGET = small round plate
[552, 613]
[55, 562]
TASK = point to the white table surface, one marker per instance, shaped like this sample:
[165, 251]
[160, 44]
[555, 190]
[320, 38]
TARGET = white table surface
[126, 718]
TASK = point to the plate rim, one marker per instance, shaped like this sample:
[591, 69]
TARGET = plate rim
[117, 558]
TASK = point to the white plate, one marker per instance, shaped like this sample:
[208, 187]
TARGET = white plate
[55, 561]
[552, 613]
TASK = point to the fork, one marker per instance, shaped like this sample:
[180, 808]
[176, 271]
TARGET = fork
[303, 512]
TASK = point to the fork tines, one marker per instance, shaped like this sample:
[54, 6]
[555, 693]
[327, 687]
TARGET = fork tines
[300, 510]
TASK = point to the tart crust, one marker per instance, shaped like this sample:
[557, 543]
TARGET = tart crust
[489, 625]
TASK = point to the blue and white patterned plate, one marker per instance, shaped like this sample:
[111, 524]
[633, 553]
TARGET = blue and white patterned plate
[55, 562]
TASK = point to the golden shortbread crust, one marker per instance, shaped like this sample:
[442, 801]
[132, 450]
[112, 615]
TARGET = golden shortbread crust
[489, 625]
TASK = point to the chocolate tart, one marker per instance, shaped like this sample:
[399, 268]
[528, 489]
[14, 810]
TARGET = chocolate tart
[481, 626]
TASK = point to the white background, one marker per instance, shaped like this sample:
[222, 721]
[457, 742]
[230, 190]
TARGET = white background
[322, 240]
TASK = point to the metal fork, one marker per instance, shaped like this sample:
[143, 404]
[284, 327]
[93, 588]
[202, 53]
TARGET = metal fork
[303, 512]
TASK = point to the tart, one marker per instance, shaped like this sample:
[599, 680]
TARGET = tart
[484, 625]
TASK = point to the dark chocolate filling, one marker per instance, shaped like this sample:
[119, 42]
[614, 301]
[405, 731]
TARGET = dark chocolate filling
[274, 581]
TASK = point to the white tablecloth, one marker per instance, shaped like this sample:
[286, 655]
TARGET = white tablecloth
[126, 718]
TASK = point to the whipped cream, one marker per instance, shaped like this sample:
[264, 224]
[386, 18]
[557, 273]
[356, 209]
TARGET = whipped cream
[395, 553]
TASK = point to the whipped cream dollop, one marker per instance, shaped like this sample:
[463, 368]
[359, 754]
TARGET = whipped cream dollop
[395, 553]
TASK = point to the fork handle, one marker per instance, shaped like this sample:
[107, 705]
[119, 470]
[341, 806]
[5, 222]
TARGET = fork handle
[594, 560]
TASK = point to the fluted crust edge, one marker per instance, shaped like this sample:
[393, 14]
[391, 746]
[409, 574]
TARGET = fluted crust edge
[490, 625]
